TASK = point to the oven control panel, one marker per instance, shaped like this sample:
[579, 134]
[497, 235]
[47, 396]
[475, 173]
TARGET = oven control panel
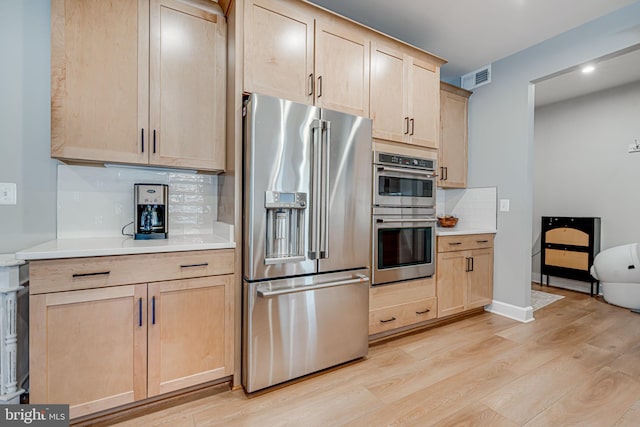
[406, 161]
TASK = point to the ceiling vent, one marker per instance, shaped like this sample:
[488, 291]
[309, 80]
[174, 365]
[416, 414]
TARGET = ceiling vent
[477, 78]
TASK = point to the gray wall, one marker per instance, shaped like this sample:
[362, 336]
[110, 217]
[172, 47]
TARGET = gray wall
[501, 135]
[583, 167]
[24, 124]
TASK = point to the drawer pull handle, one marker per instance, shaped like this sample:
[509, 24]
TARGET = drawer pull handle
[140, 312]
[99, 273]
[153, 310]
[388, 320]
[204, 264]
[423, 312]
[482, 241]
[455, 243]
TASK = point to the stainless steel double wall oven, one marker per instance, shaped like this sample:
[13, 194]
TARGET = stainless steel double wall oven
[404, 220]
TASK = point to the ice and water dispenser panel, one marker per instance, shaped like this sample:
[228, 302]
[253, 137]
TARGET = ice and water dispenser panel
[285, 226]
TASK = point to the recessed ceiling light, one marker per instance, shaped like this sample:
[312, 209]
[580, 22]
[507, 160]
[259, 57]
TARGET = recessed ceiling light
[588, 69]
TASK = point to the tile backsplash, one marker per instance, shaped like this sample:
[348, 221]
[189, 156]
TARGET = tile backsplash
[476, 208]
[97, 201]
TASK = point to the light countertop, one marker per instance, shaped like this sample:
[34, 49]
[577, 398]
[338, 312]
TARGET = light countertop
[441, 231]
[102, 246]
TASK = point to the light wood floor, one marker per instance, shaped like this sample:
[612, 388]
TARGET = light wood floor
[578, 363]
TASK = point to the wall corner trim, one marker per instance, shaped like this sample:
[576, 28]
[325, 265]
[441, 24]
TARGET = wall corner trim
[521, 314]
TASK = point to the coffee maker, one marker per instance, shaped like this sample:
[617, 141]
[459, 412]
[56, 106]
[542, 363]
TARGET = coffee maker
[151, 211]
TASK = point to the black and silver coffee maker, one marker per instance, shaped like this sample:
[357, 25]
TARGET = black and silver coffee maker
[152, 211]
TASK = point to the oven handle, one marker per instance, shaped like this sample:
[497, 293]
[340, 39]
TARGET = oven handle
[408, 171]
[359, 278]
[388, 221]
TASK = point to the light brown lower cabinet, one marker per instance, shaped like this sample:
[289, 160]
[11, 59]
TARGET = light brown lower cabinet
[402, 304]
[464, 273]
[100, 348]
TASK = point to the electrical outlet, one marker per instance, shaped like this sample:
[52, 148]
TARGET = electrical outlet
[504, 205]
[8, 191]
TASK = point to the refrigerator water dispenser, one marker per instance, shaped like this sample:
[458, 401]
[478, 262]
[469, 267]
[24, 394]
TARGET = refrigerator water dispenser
[285, 227]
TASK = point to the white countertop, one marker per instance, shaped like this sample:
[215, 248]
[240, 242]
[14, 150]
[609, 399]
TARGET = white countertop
[89, 247]
[443, 231]
[9, 260]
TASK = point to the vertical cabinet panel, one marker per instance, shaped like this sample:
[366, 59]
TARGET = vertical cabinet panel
[388, 89]
[89, 348]
[452, 153]
[451, 282]
[424, 104]
[99, 79]
[278, 51]
[342, 68]
[480, 283]
[187, 83]
[189, 340]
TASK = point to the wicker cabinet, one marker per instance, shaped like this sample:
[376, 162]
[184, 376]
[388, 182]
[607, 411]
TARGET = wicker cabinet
[569, 246]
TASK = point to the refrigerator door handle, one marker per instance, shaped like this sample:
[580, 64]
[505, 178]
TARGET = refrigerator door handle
[316, 129]
[324, 210]
[359, 278]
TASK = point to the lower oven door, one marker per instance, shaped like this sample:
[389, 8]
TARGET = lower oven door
[403, 248]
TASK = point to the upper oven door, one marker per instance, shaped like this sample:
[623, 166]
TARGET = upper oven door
[403, 187]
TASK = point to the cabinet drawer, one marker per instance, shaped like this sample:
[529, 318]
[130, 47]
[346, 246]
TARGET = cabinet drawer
[401, 293]
[385, 319]
[567, 236]
[567, 259]
[97, 272]
[465, 242]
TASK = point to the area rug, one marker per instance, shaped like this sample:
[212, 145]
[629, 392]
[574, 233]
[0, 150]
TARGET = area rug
[542, 299]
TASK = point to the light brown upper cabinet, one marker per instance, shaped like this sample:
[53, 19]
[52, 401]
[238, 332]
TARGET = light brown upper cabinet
[452, 153]
[404, 97]
[139, 82]
[297, 52]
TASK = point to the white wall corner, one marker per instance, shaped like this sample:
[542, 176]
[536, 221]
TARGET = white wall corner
[521, 314]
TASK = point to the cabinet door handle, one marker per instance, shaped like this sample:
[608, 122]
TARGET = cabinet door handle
[204, 264]
[142, 137]
[406, 125]
[413, 122]
[468, 267]
[446, 173]
[310, 84]
[140, 312]
[99, 273]
[319, 86]
[387, 320]
[470, 264]
[423, 312]
[154, 141]
[441, 173]
[153, 310]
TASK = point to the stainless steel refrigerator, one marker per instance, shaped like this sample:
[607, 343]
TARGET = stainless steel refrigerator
[307, 225]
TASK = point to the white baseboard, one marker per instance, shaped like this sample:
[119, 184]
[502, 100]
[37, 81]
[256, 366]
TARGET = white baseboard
[521, 314]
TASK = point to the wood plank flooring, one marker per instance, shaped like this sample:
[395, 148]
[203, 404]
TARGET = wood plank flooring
[578, 364]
